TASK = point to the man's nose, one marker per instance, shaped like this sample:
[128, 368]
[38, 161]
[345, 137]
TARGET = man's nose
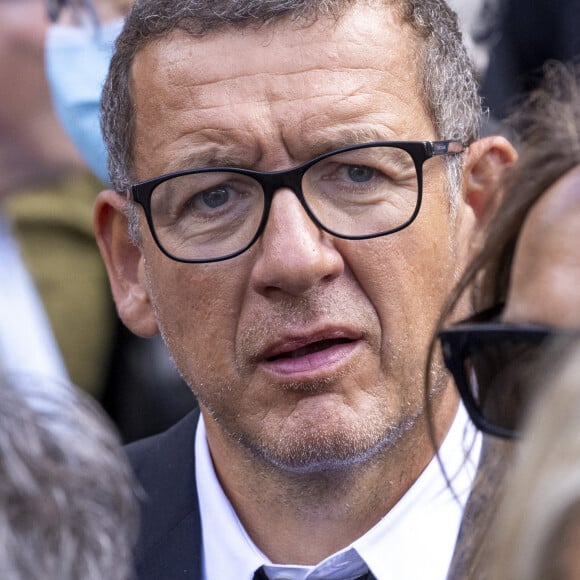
[294, 254]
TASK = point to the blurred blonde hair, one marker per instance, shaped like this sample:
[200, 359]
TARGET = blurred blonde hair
[540, 512]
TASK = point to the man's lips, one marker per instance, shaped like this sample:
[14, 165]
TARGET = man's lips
[315, 352]
[294, 346]
[309, 348]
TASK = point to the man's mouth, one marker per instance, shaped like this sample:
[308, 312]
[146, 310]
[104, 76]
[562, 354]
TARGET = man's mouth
[310, 348]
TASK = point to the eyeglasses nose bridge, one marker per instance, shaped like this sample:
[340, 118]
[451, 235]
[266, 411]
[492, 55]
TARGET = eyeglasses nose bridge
[287, 179]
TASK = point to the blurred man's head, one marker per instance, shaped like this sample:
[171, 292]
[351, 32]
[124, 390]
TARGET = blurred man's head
[67, 498]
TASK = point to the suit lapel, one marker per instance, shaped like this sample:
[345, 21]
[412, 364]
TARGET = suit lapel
[169, 545]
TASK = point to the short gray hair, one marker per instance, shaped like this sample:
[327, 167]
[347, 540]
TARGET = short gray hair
[67, 498]
[449, 85]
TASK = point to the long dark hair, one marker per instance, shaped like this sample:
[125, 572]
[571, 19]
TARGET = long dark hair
[547, 124]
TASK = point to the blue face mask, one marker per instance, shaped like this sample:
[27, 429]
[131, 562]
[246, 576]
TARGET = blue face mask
[77, 62]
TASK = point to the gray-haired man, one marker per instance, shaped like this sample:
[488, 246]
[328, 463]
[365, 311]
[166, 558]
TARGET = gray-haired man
[298, 182]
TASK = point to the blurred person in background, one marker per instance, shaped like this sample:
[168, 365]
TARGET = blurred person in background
[67, 497]
[79, 44]
[142, 390]
[475, 17]
[522, 36]
[524, 285]
[47, 195]
[33, 153]
[510, 41]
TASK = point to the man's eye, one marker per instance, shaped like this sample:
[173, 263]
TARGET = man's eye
[215, 197]
[360, 173]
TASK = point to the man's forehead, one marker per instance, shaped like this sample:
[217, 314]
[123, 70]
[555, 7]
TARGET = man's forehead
[364, 23]
[237, 96]
[284, 61]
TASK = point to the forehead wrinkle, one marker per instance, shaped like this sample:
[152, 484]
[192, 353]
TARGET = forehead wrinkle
[282, 86]
[318, 133]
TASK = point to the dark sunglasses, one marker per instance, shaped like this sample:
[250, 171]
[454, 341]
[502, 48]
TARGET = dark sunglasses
[495, 366]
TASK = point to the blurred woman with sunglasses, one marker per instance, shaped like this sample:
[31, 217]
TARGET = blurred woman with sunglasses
[524, 285]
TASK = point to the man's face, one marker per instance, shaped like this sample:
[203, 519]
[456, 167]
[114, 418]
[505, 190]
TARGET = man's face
[307, 348]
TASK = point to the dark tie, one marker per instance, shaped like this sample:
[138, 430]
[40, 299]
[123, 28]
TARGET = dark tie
[259, 574]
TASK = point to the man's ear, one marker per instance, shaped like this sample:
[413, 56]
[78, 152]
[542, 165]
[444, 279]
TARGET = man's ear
[124, 263]
[485, 163]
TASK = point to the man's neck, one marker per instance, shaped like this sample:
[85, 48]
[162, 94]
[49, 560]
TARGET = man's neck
[330, 509]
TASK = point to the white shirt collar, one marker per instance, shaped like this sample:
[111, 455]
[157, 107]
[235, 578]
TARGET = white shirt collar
[414, 540]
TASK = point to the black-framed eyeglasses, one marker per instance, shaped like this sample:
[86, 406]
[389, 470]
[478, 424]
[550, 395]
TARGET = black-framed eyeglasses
[83, 12]
[355, 193]
[494, 366]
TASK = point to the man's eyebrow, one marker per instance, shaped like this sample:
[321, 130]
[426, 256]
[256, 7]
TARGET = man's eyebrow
[214, 158]
[338, 138]
[314, 144]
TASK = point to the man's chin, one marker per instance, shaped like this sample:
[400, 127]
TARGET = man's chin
[325, 451]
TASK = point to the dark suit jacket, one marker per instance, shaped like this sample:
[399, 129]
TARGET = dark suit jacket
[169, 545]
